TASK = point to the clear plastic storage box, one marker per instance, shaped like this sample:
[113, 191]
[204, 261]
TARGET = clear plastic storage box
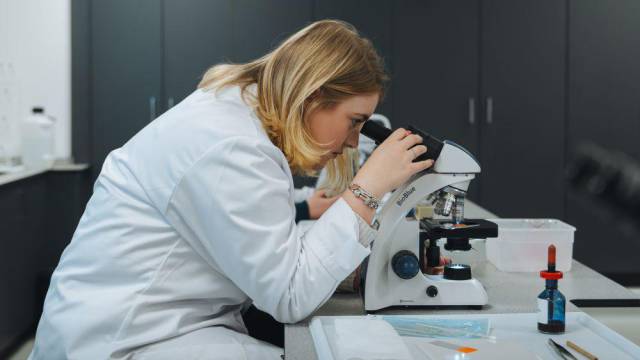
[521, 245]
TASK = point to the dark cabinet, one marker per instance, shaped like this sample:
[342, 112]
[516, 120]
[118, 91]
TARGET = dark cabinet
[12, 212]
[66, 197]
[435, 70]
[23, 230]
[39, 215]
[490, 76]
[435, 74]
[197, 35]
[201, 33]
[604, 53]
[148, 55]
[374, 20]
[126, 55]
[259, 26]
[604, 109]
[523, 93]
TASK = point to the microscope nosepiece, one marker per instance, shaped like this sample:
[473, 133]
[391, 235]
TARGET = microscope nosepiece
[445, 204]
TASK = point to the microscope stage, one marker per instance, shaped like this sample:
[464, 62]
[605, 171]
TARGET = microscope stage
[469, 229]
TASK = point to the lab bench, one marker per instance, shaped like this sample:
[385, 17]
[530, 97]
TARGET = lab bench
[508, 293]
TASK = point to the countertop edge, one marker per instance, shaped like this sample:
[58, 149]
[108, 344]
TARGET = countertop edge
[24, 174]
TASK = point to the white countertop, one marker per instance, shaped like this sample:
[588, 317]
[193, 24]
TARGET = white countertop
[508, 293]
[9, 177]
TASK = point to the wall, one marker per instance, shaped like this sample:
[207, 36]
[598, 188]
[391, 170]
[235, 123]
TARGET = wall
[35, 68]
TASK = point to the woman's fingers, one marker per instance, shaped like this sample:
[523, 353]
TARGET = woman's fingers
[421, 165]
[411, 140]
[444, 260]
[398, 134]
[418, 150]
[438, 270]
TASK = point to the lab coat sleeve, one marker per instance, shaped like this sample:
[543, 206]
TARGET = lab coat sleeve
[235, 207]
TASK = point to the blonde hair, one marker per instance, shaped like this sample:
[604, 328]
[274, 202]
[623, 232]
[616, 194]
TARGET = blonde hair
[317, 67]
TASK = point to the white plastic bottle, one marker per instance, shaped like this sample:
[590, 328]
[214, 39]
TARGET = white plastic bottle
[38, 140]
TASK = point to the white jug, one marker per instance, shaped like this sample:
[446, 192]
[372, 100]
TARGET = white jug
[38, 140]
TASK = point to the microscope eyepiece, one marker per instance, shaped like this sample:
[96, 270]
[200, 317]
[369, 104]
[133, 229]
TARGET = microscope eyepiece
[375, 131]
[379, 134]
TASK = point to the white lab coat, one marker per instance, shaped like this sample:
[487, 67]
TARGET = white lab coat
[190, 221]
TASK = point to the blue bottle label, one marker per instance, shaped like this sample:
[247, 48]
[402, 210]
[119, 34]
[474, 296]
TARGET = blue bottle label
[543, 311]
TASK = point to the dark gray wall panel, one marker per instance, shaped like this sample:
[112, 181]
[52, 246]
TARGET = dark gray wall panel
[373, 19]
[604, 52]
[604, 240]
[523, 72]
[435, 67]
[127, 70]
[259, 26]
[604, 108]
[197, 35]
[81, 81]
[435, 53]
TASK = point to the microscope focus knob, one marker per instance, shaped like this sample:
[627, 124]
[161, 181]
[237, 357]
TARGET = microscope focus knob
[405, 264]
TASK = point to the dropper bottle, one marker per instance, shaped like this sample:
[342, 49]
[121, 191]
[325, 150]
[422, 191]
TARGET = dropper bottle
[551, 302]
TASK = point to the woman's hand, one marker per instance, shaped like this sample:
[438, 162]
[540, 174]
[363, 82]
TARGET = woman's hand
[318, 204]
[439, 269]
[391, 164]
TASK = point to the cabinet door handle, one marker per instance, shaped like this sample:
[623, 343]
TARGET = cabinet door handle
[472, 111]
[489, 110]
[152, 108]
[170, 103]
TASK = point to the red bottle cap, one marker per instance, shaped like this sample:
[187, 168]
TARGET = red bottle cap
[551, 275]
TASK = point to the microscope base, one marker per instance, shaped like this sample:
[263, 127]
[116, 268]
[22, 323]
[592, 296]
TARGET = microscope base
[429, 291]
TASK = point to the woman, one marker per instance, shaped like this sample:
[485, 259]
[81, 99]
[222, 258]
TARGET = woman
[192, 220]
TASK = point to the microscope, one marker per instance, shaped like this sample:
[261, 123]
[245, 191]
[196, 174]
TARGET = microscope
[396, 273]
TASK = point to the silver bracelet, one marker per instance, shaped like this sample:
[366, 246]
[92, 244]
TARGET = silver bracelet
[368, 199]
